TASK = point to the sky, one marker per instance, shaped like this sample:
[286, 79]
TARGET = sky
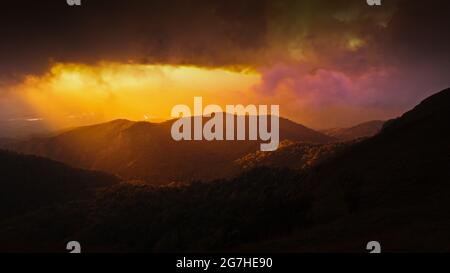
[326, 63]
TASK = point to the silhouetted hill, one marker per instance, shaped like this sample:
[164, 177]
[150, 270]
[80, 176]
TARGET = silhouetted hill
[392, 188]
[30, 182]
[143, 150]
[260, 204]
[365, 129]
[431, 114]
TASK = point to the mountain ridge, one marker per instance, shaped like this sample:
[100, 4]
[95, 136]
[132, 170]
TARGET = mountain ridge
[365, 129]
[144, 150]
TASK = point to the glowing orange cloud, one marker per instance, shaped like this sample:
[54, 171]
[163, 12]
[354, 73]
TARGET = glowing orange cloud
[75, 94]
[78, 94]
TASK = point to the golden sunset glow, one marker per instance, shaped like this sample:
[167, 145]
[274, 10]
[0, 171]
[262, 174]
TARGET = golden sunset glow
[73, 94]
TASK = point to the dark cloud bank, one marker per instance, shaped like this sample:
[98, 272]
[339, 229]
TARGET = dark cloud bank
[212, 32]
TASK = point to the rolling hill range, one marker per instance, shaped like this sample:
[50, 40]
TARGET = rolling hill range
[146, 151]
[392, 188]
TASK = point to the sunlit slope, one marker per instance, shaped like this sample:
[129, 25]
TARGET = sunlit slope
[143, 150]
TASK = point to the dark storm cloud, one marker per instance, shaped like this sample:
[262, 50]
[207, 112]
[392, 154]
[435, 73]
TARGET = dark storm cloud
[219, 33]
[201, 32]
[421, 30]
[418, 45]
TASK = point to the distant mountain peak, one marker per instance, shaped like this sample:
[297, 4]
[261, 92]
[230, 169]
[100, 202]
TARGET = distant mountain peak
[365, 129]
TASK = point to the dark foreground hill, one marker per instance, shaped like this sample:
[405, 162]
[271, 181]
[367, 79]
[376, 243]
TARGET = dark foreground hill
[392, 188]
[30, 182]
